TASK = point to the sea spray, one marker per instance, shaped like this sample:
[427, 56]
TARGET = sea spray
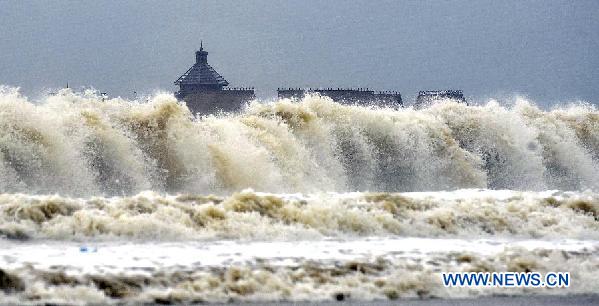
[79, 144]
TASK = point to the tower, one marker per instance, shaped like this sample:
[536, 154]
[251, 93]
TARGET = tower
[201, 77]
[201, 55]
[203, 89]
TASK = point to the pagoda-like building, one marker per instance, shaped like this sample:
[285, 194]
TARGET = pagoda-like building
[203, 89]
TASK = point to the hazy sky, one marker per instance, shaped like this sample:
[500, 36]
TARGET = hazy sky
[547, 50]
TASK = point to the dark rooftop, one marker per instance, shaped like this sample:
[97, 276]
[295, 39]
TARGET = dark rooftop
[201, 73]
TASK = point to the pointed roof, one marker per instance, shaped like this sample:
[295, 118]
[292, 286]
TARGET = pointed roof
[201, 73]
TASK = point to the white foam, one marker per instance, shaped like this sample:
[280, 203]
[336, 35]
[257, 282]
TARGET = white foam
[80, 144]
[124, 257]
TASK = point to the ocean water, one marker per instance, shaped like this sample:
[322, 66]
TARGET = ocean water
[122, 201]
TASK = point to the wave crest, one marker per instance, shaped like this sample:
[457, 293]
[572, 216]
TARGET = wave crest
[78, 144]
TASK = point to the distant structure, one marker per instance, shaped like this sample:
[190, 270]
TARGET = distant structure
[361, 96]
[428, 97]
[203, 89]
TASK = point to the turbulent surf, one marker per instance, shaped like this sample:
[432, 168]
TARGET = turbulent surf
[77, 144]
[289, 200]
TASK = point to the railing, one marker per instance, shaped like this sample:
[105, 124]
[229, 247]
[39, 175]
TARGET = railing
[360, 89]
[364, 90]
[387, 92]
[440, 92]
[238, 89]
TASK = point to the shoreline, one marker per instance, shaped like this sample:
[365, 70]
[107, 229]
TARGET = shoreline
[534, 300]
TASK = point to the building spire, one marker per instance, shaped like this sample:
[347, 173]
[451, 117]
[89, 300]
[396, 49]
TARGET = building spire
[201, 45]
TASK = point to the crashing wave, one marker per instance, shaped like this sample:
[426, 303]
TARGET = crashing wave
[78, 144]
